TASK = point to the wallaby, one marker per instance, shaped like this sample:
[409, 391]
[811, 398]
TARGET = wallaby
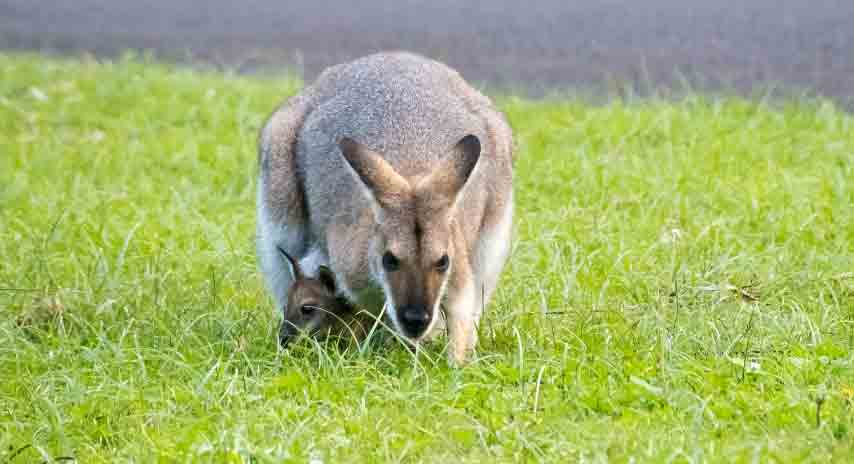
[313, 308]
[401, 174]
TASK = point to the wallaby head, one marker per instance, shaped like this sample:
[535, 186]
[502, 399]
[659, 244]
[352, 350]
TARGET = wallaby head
[412, 250]
[314, 310]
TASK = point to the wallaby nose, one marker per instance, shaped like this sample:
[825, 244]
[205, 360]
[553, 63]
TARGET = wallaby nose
[414, 320]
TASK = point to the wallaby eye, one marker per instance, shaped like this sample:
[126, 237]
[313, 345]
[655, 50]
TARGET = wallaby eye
[307, 310]
[390, 262]
[443, 263]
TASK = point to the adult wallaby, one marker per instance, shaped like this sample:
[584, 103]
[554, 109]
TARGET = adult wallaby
[314, 309]
[398, 175]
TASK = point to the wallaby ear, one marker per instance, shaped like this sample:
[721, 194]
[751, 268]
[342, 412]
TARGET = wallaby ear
[327, 278]
[446, 182]
[293, 265]
[380, 181]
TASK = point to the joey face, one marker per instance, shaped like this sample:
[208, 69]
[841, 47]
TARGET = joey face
[412, 252]
[314, 310]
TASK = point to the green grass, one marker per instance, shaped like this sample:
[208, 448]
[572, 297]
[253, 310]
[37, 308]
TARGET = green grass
[681, 287]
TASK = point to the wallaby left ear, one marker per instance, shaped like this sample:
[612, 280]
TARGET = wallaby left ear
[450, 176]
[380, 181]
[293, 265]
[327, 278]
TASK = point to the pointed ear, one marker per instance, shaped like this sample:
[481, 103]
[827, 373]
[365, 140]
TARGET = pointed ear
[380, 181]
[327, 278]
[445, 183]
[293, 265]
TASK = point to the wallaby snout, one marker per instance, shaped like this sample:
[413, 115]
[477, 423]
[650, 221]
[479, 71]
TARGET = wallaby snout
[415, 320]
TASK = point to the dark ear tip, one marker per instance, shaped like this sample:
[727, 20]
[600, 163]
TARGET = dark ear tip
[349, 149]
[470, 143]
[346, 144]
[296, 272]
[285, 254]
[470, 147]
[326, 277]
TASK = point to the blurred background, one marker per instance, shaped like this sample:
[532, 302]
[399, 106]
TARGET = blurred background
[534, 47]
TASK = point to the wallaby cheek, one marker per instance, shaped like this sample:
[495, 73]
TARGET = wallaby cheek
[315, 326]
[432, 288]
[342, 329]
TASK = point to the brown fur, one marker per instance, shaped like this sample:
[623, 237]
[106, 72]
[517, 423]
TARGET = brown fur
[314, 310]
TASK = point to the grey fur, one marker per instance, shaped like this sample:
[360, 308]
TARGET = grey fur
[408, 108]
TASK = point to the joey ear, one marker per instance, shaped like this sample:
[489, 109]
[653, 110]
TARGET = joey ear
[293, 265]
[379, 180]
[327, 278]
[445, 183]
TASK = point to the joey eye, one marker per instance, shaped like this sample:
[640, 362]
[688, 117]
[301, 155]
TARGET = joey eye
[443, 263]
[390, 262]
[307, 310]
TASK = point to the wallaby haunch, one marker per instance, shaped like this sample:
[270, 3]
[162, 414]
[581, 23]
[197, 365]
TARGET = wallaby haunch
[313, 308]
[398, 176]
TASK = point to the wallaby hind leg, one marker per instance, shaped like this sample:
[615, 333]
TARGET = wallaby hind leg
[282, 220]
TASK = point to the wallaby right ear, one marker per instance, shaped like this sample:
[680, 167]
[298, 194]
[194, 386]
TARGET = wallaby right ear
[447, 180]
[293, 265]
[379, 180]
[327, 278]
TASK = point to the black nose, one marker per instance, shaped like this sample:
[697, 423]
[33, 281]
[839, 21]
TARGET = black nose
[414, 320]
[286, 333]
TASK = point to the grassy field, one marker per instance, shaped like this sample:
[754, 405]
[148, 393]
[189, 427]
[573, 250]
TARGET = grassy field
[681, 287]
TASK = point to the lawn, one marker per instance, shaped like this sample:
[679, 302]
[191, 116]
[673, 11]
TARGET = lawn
[681, 287]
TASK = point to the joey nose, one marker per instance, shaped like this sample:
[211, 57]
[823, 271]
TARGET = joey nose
[414, 320]
[286, 334]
